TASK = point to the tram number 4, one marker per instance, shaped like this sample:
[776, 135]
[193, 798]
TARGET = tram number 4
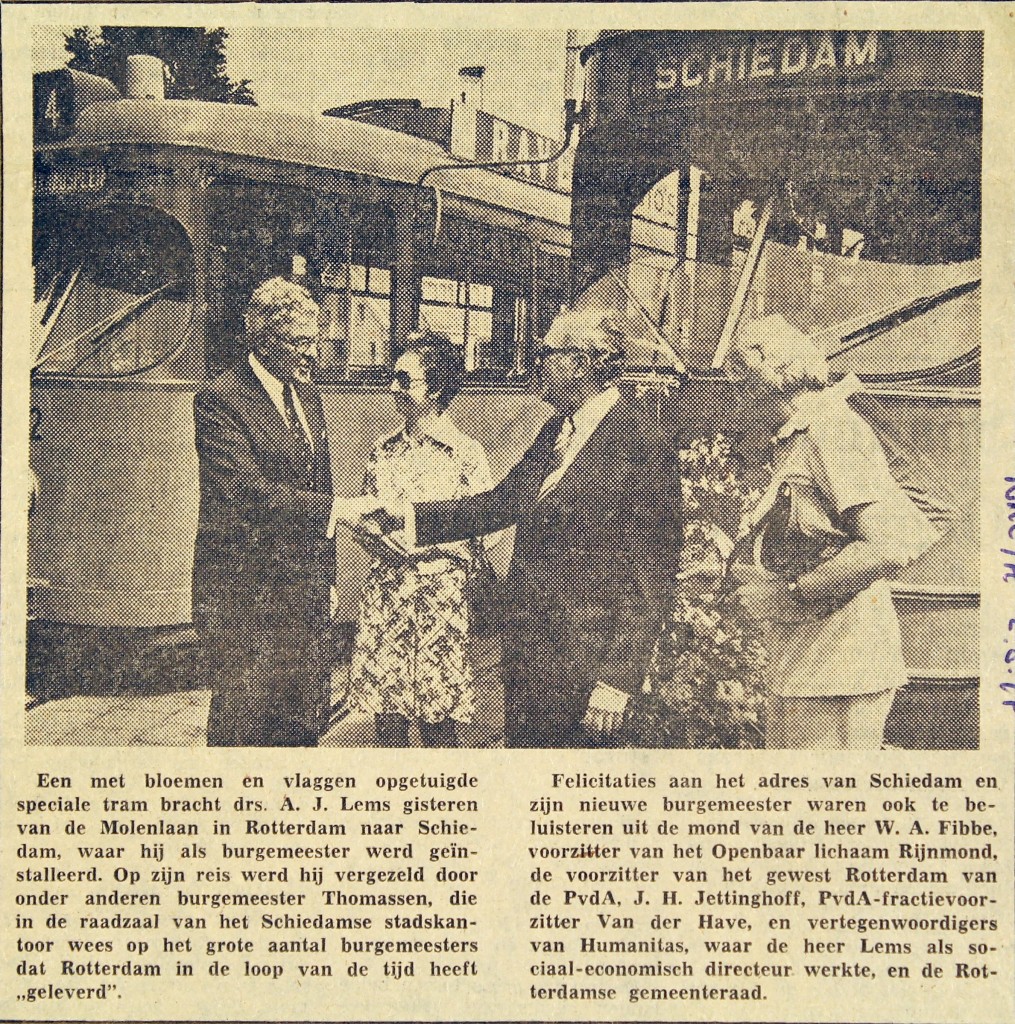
[51, 115]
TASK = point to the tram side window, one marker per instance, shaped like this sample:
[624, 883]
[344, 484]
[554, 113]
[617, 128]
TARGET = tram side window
[462, 311]
[114, 290]
[477, 288]
[339, 249]
[356, 310]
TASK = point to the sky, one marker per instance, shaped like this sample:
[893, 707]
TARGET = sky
[313, 69]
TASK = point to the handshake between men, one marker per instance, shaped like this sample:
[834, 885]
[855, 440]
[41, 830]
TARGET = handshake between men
[379, 528]
[594, 500]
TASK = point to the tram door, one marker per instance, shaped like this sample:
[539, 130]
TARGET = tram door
[352, 264]
[343, 251]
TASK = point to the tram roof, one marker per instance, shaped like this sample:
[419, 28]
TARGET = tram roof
[324, 142]
[787, 100]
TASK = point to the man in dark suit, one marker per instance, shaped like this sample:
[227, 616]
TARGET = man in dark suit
[596, 499]
[264, 558]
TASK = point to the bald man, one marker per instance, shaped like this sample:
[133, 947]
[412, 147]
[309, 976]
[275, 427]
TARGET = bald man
[264, 558]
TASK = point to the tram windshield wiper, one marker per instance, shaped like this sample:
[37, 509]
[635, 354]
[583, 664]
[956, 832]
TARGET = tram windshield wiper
[659, 342]
[896, 317]
[48, 309]
[94, 334]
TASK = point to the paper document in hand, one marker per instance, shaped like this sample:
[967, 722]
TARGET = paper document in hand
[388, 547]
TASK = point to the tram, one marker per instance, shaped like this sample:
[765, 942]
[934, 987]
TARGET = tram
[153, 221]
[833, 177]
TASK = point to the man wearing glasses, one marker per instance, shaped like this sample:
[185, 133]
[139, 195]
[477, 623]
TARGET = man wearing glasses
[264, 558]
[596, 500]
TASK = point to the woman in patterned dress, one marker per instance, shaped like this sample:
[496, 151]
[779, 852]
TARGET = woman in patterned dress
[410, 662]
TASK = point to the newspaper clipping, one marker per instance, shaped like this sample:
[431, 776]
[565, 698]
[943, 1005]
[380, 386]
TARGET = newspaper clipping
[608, 407]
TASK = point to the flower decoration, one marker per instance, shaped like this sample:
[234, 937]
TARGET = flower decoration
[704, 686]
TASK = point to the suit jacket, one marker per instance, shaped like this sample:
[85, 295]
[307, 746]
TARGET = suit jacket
[598, 553]
[261, 558]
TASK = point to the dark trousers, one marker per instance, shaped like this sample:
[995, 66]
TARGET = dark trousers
[269, 689]
[393, 731]
[554, 649]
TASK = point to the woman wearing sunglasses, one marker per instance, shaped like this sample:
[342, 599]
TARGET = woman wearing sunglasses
[410, 662]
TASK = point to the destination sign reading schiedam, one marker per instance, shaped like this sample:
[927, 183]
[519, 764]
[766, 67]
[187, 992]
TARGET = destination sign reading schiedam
[678, 68]
[695, 64]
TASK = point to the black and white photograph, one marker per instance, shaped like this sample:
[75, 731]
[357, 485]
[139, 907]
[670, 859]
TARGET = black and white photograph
[508, 512]
[623, 395]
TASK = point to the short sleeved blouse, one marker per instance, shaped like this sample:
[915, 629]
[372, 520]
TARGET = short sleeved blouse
[441, 464]
[827, 462]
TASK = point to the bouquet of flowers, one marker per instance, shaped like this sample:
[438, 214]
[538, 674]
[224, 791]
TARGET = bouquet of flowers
[704, 685]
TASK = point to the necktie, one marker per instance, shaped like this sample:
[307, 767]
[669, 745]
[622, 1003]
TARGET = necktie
[295, 421]
[556, 461]
[305, 451]
[566, 433]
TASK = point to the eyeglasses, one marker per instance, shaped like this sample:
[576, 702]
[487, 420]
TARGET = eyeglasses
[304, 345]
[298, 346]
[405, 381]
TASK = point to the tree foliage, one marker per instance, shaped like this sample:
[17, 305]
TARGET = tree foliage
[194, 58]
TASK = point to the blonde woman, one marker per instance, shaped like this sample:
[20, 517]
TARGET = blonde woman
[831, 530]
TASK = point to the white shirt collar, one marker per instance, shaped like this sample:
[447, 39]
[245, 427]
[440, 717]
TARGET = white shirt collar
[809, 405]
[275, 390]
[590, 413]
[441, 429]
[269, 381]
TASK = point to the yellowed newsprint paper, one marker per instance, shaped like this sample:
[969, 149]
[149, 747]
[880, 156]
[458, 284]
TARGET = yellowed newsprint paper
[508, 512]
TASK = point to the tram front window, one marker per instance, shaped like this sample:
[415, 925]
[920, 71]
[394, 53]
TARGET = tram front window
[857, 175]
[114, 290]
[700, 255]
